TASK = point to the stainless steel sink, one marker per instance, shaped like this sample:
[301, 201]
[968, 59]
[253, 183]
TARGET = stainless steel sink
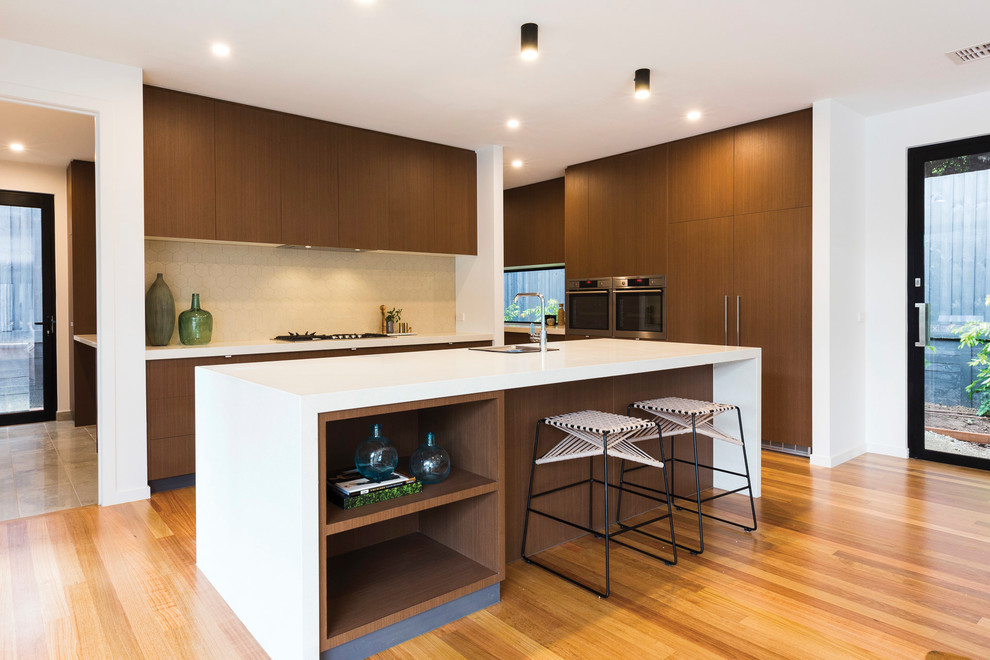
[522, 348]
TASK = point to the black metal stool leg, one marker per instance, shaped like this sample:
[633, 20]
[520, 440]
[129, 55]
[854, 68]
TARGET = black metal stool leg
[749, 481]
[697, 486]
[608, 583]
[667, 488]
[529, 496]
[591, 495]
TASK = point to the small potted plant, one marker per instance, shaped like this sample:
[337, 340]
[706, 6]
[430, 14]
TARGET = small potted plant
[392, 317]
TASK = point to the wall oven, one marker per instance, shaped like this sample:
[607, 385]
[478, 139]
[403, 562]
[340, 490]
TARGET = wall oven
[639, 307]
[588, 306]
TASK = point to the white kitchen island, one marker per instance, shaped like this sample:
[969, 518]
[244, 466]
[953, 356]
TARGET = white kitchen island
[305, 576]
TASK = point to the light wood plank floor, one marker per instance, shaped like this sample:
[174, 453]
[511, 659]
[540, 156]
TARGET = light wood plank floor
[879, 557]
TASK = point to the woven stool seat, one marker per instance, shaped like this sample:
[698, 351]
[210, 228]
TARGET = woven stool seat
[598, 422]
[677, 416]
[586, 433]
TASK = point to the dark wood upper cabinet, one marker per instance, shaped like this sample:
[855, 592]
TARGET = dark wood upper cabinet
[534, 224]
[410, 195]
[638, 211]
[773, 163]
[179, 165]
[772, 277]
[577, 235]
[455, 198]
[700, 302]
[248, 182]
[309, 182]
[700, 177]
[363, 177]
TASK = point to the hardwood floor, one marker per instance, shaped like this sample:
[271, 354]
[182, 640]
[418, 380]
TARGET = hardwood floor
[880, 557]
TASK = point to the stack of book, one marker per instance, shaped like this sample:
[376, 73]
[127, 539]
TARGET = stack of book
[349, 489]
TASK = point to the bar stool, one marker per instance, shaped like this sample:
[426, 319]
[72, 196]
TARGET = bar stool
[676, 416]
[591, 433]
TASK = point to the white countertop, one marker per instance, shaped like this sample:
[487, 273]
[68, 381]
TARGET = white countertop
[86, 340]
[365, 380]
[524, 327]
[173, 352]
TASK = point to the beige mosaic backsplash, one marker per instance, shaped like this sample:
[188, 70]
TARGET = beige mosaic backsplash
[258, 292]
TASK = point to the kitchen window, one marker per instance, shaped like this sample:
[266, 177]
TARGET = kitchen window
[548, 280]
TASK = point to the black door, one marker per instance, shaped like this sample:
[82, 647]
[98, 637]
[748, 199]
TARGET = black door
[27, 308]
[949, 302]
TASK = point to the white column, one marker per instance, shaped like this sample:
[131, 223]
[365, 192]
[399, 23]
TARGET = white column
[479, 278]
[838, 285]
[112, 93]
[738, 383]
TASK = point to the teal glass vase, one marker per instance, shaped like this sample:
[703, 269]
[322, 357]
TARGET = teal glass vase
[430, 463]
[376, 458]
[159, 314]
[195, 324]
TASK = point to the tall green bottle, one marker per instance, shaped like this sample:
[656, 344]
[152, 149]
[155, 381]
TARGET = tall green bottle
[159, 313]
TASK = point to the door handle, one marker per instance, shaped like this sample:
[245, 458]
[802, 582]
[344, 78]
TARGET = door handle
[725, 319]
[923, 314]
[738, 339]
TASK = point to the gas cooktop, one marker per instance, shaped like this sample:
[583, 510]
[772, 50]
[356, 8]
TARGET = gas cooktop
[312, 336]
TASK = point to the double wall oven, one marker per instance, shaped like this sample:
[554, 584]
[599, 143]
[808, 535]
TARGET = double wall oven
[632, 307]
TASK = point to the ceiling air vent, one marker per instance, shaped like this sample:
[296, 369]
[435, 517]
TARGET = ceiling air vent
[970, 54]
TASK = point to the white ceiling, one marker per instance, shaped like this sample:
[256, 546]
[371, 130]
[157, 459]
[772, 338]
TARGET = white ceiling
[50, 137]
[449, 70]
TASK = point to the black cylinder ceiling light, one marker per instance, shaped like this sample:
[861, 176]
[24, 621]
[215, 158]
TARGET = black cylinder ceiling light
[642, 83]
[529, 48]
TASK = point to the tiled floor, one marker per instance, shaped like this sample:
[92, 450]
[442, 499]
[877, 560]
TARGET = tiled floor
[46, 467]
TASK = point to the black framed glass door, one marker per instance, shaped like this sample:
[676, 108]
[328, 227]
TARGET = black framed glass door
[949, 302]
[28, 388]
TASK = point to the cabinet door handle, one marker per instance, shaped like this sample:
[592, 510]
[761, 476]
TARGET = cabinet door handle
[923, 337]
[738, 339]
[725, 319]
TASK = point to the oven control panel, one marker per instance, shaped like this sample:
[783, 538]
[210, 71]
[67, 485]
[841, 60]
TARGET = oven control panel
[639, 282]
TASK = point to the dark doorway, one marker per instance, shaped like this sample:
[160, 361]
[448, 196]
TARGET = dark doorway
[28, 387]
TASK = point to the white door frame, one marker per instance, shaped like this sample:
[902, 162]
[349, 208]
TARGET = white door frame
[112, 94]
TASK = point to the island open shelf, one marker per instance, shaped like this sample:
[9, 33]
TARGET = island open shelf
[461, 484]
[387, 561]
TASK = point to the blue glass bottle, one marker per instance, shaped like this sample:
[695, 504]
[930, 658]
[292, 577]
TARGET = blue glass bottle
[430, 463]
[376, 457]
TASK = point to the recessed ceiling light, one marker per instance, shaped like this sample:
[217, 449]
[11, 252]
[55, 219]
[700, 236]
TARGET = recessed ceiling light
[642, 83]
[528, 42]
[16, 146]
[694, 115]
[517, 163]
[221, 50]
[512, 123]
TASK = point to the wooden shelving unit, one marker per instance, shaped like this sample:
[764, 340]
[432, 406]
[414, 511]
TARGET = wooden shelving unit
[385, 562]
[460, 485]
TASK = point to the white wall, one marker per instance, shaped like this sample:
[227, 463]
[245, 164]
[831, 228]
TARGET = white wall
[113, 93]
[479, 279]
[838, 290]
[888, 138]
[29, 177]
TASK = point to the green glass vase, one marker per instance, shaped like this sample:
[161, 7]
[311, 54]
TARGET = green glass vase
[159, 314]
[195, 324]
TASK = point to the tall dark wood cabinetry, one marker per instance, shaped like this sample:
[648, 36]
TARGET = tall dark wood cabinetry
[533, 221]
[179, 165]
[248, 182]
[616, 215]
[363, 185]
[81, 203]
[727, 217]
[308, 172]
[230, 172]
[455, 196]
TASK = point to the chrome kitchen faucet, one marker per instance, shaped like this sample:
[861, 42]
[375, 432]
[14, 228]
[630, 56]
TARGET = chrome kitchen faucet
[543, 318]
